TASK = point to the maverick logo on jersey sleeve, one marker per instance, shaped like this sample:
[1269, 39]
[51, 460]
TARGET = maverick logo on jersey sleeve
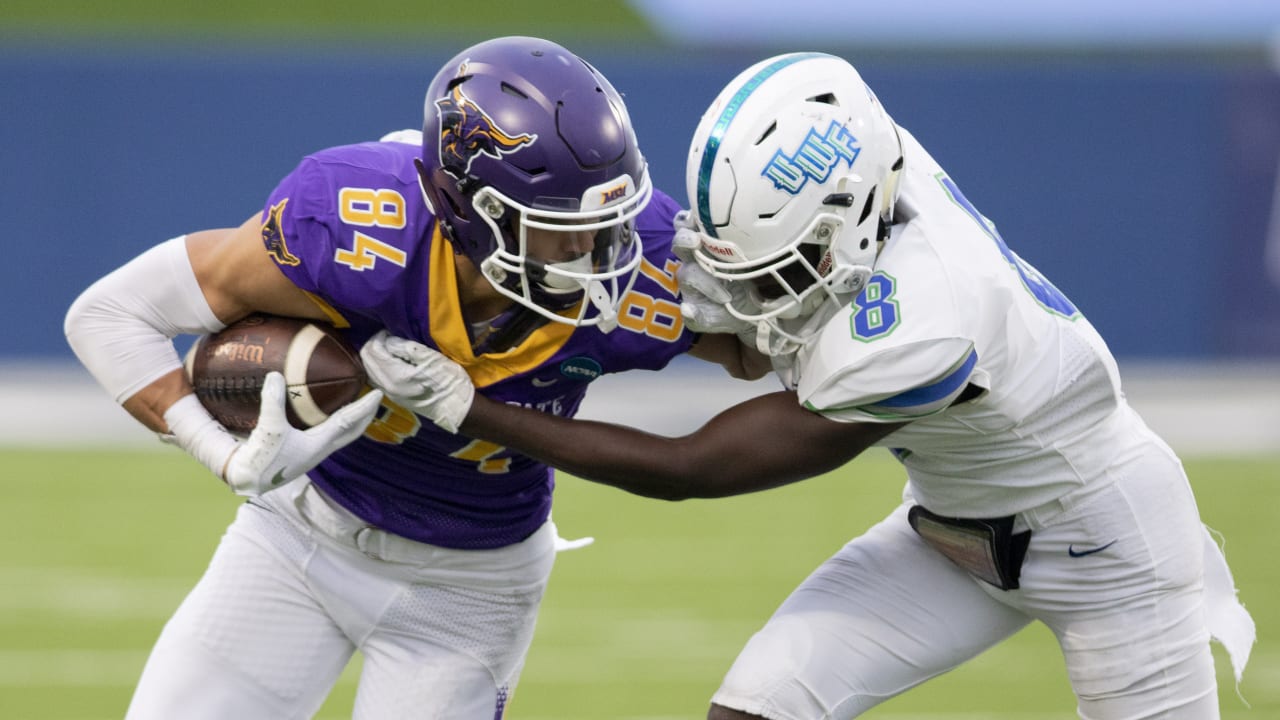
[816, 157]
[273, 236]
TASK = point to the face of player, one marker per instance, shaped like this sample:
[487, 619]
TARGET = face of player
[555, 257]
[565, 255]
[556, 246]
[790, 279]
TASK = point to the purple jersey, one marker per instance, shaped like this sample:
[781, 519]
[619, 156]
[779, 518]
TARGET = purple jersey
[349, 227]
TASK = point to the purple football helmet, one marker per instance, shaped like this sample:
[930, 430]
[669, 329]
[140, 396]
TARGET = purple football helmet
[524, 141]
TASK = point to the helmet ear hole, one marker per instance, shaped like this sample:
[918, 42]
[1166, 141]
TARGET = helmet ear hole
[866, 207]
[512, 90]
[767, 132]
[458, 210]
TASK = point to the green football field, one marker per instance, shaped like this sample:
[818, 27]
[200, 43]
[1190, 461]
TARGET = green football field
[100, 547]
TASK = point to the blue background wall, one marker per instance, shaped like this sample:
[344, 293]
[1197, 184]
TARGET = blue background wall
[1143, 187]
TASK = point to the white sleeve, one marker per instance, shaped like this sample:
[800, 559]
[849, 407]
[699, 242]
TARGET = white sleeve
[122, 326]
[897, 384]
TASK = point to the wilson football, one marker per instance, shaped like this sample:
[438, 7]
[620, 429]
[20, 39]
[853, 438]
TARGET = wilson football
[321, 370]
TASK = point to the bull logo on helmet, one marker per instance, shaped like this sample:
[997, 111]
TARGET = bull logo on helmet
[467, 131]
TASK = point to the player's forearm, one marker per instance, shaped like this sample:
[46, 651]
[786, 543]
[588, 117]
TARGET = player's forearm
[742, 450]
[149, 404]
[623, 457]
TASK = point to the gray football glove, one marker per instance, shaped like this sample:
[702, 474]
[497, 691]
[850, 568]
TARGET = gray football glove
[703, 297]
[419, 378]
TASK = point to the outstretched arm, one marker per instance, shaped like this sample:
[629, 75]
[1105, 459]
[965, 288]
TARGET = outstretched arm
[761, 443]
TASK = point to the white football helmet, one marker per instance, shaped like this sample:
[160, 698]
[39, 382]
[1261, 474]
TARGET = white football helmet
[792, 179]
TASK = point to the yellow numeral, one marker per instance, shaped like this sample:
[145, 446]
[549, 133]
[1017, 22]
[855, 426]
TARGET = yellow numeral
[656, 318]
[665, 277]
[366, 251]
[368, 207]
[394, 424]
[483, 452]
[652, 316]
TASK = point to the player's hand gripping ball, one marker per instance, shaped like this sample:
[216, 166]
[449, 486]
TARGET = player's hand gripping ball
[322, 372]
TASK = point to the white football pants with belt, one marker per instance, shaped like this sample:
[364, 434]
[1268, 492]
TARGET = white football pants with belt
[297, 585]
[1123, 573]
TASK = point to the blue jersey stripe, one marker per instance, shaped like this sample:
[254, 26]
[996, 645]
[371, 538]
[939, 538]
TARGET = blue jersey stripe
[718, 130]
[944, 388]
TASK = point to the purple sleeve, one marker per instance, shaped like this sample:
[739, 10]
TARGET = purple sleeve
[326, 254]
[298, 227]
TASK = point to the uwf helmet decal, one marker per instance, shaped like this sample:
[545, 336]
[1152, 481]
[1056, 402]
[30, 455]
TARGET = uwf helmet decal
[817, 156]
[467, 131]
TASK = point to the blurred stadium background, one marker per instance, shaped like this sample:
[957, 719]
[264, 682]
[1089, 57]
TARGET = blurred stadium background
[1129, 150]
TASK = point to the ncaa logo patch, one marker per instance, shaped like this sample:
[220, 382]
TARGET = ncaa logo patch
[581, 368]
[817, 156]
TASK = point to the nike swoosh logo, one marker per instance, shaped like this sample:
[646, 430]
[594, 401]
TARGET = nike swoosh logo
[278, 479]
[1073, 552]
[545, 383]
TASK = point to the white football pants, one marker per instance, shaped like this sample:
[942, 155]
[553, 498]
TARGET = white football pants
[296, 587]
[888, 612]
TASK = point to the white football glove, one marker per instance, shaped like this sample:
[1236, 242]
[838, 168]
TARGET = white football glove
[419, 378]
[408, 136]
[275, 452]
[703, 296]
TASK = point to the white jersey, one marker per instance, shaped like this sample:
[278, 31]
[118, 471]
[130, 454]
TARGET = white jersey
[950, 306]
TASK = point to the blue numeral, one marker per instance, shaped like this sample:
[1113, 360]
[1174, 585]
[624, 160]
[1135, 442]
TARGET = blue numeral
[1049, 297]
[875, 312]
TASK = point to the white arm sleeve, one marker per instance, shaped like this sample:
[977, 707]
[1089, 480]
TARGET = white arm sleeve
[122, 326]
